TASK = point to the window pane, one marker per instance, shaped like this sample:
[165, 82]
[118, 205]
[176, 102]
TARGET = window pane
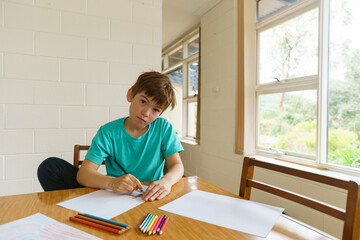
[193, 47]
[176, 57]
[344, 84]
[193, 78]
[289, 50]
[176, 76]
[288, 121]
[192, 113]
[265, 8]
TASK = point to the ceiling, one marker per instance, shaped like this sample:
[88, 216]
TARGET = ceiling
[179, 16]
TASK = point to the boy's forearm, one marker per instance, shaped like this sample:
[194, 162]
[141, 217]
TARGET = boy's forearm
[174, 174]
[89, 178]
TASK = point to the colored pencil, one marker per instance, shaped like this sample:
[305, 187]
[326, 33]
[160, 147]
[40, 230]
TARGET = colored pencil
[95, 225]
[157, 225]
[153, 225]
[148, 223]
[161, 223]
[143, 222]
[124, 171]
[101, 222]
[164, 225]
[106, 220]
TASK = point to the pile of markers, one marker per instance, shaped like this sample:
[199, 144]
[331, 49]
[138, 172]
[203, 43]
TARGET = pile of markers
[153, 224]
[105, 224]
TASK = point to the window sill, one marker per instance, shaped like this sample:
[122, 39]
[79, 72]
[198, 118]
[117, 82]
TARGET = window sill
[310, 168]
[189, 141]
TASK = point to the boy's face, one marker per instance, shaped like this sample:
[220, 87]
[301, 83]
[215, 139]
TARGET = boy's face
[143, 110]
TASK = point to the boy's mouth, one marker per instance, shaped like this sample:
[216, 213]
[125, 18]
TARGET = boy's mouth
[142, 120]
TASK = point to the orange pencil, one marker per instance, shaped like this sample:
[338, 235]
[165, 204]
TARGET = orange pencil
[164, 225]
[96, 225]
[153, 225]
[101, 222]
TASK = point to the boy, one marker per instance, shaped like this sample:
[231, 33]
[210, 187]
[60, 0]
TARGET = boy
[139, 144]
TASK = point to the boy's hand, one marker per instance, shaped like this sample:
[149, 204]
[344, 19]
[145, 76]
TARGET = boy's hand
[157, 190]
[125, 184]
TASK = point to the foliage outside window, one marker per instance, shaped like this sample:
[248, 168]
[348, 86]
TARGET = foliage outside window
[308, 83]
[180, 61]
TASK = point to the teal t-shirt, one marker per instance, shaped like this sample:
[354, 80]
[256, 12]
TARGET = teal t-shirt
[143, 157]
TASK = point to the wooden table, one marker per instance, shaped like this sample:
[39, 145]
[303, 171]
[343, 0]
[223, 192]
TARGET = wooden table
[19, 206]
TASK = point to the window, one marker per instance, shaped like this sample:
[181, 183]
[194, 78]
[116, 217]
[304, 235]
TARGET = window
[180, 61]
[308, 83]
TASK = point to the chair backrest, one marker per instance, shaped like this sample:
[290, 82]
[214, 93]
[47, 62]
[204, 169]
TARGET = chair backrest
[78, 162]
[77, 149]
[350, 215]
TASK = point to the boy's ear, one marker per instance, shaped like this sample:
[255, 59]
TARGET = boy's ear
[129, 95]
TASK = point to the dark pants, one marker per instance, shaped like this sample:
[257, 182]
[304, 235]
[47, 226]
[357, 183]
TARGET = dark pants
[57, 174]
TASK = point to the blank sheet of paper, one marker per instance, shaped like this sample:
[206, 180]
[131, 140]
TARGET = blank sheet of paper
[39, 227]
[234, 213]
[104, 203]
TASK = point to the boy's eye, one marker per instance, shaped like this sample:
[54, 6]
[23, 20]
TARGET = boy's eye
[143, 101]
[156, 110]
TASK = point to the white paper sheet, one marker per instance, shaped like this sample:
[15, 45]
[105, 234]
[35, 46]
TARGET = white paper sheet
[39, 227]
[104, 203]
[234, 213]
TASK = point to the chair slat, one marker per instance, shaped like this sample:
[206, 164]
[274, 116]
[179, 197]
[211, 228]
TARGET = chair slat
[306, 201]
[350, 216]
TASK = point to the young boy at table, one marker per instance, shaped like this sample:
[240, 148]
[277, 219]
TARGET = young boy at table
[140, 144]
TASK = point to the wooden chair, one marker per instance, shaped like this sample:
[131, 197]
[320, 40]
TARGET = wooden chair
[77, 150]
[77, 162]
[350, 215]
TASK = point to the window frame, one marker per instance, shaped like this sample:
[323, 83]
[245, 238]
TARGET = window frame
[246, 128]
[182, 43]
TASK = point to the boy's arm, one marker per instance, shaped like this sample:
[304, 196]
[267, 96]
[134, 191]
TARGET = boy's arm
[161, 188]
[88, 176]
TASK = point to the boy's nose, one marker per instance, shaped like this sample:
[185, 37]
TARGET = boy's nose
[145, 111]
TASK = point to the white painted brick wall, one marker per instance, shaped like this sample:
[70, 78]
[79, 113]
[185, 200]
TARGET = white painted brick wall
[32, 18]
[83, 117]
[105, 50]
[65, 68]
[68, 5]
[58, 140]
[110, 8]
[121, 73]
[82, 25]
[131, 32]
[22, 166]
[2, 168]
[147, 54]
[16, 141]
[31, 116]
[16, 91]
[84, 71]
[2, 116]
[1, 63]
[31, 67]
[56, 45]
[17, 41]
[105, 95]
[12, 187]
[59, 93]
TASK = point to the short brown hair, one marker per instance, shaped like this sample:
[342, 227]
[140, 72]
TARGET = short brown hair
[158, 86]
